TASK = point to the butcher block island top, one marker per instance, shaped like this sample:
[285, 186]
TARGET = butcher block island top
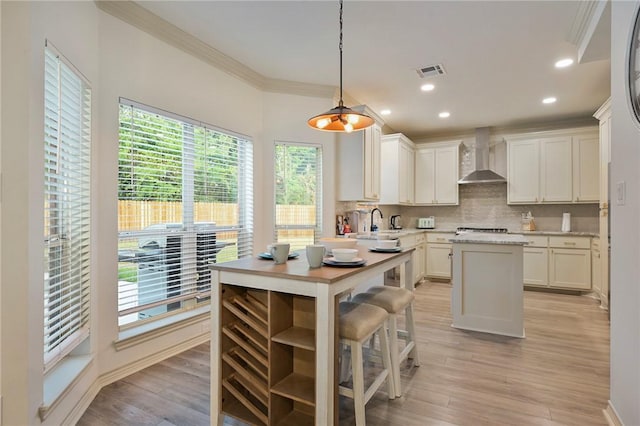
[274, 336]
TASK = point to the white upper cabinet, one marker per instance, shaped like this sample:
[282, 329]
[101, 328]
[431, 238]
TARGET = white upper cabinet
[358, 160]
[555, 170]
[397, 173]
[436, 174]
[586, 168]
[523, 171]
[553, 167]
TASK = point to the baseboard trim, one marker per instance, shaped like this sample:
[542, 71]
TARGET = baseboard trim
[126, 370]
[611, 416]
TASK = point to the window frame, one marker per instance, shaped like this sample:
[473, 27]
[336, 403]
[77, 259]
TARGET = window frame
[67, 206]
[186, 228]
[317, 227]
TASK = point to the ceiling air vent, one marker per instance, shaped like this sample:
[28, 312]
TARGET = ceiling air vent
[431, 71]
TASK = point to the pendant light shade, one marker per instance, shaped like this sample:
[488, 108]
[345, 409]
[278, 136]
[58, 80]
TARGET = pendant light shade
[340, 118]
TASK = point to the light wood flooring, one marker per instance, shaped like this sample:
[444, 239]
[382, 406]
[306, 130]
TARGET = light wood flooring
[557, 375]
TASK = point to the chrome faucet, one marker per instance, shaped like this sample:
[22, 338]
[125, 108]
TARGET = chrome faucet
[373, 226]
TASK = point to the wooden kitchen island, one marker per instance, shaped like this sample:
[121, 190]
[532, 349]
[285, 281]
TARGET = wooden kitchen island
[274, 335]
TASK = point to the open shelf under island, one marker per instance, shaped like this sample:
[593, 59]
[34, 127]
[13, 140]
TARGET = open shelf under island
[274, 337]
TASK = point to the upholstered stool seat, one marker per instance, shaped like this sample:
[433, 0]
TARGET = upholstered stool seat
[357, 323]
[394, 300]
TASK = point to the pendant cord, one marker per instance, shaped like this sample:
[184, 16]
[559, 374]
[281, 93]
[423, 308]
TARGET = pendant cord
[341, 102]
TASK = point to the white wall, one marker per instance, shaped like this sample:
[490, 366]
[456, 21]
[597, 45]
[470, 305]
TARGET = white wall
[625, 228]
[72, 28]
[120, 61]
[285, 120]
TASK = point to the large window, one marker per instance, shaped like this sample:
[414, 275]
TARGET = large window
[185, 200]
[298, 193]
[67, 162]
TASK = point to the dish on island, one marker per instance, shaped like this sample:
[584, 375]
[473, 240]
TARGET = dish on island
[385, 250]
[358, 261]
[267, 256]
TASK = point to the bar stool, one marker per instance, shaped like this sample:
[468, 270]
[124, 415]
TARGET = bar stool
[394, 300]
[358, 322]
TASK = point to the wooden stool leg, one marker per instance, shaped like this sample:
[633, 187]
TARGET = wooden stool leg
[412, 335]
[357, 366]
[395, 360]
[386, 360]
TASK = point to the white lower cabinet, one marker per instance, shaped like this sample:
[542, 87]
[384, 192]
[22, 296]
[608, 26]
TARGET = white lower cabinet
[596, 267]
[535, 267]
[536, 261]
[438, 259]
[570, 268]
[562, 262]
[416, 241]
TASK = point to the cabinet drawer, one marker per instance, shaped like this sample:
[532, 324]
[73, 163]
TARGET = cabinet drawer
[420, 238]
[536, 240]
[434, 237]
[407, 241]
[570, 242]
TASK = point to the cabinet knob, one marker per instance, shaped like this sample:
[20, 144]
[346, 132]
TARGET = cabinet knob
[566, 243]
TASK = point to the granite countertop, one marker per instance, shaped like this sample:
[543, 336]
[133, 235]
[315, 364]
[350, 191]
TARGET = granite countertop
[398, 233]
[490, 238]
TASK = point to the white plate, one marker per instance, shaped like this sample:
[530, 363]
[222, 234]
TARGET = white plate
[386, 250]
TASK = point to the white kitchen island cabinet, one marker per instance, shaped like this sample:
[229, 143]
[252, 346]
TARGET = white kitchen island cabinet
[487, 292]
[274, 337]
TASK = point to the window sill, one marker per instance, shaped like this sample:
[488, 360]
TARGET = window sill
[145, 332]
[60, 379]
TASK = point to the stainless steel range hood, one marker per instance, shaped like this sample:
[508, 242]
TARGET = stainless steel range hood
[482, 173]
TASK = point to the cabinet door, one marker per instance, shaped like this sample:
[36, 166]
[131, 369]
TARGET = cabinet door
[523, 171]
[586, 168]
[425, 176]
[372, 137]
[438, 261]
[417, 257]
[535, 265]
[446, 175]
[596, 271]
[555, 172]
[570, 269]
[405, 174]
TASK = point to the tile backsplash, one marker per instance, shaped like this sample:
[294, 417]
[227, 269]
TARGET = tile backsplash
[485, 205]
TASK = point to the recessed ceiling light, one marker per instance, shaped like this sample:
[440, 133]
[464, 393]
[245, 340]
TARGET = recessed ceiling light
[563, 63]
[427, 87]
[444, 114]
[549, 100]
[385, 112]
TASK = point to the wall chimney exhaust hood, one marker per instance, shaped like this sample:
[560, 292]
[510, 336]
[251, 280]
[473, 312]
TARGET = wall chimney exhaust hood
[482, 173]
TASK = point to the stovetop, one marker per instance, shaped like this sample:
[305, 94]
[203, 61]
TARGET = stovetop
[464, 229]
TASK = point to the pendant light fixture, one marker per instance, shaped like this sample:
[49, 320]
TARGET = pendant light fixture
[340, 118]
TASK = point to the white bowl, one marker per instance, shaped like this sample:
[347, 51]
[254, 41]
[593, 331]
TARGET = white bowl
[386, 244]
[344, 255]
[333, 243]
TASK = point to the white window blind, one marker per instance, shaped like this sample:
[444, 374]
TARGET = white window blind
[298, 193]
[185, 200]
[67, 161]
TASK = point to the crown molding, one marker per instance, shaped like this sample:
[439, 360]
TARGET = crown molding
[141, 18]
[582, 20]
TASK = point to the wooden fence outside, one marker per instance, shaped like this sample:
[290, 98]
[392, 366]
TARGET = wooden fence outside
[137, 215]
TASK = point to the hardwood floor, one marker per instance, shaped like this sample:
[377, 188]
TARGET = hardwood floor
[557, 375]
